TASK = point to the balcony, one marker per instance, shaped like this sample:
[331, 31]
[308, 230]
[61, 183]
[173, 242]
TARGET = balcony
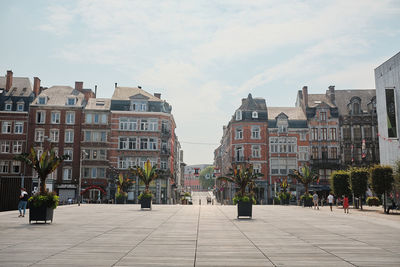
[333, 163]
[165, 132]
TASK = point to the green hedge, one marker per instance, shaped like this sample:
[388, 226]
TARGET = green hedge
[373, 201]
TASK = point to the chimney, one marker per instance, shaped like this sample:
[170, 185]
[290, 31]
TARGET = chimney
[332, 93]
[115, 86]
[9, 80]
[139, 87]
[305, 96]
[79, 86]
[158, 95]
[95, 91]
[36, 86]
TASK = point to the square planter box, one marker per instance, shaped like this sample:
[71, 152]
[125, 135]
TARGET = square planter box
[41, 214]
[145, 203]
[244, 209]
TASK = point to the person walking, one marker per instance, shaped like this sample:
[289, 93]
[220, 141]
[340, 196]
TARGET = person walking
[23, 200]
[346, 204]
[330, 200]
[315, 200]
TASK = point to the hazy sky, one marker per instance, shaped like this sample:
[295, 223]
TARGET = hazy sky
[202, 56]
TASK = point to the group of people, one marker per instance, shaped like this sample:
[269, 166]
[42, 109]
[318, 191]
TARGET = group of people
[330, 200]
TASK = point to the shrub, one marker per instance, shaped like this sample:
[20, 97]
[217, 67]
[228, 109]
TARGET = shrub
[237, 199]
[306, 197]
[277, 200]
[373, 201]
[187, 194]
[47, 199]
[145, 195]
[121, 196]
[381, 181]
[340, 183]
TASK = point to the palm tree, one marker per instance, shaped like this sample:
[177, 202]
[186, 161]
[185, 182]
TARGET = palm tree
[147, 174]
[43, 164]
[305, 177]
[243, 177]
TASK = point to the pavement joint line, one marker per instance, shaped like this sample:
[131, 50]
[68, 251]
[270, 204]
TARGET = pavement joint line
[197, 237]
[306, 241]
[77, 244]
[147, 236]
[265, 255]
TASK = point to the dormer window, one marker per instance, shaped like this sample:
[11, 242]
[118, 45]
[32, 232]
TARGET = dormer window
[138, 106]
[8, 106]
[238, 115]
[355, 104]
[254, 115]
[42, 100]
[71, 101]
[282, 128]
[20, 107]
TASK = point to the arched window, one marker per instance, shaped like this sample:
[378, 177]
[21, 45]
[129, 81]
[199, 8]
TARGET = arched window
[254, 115]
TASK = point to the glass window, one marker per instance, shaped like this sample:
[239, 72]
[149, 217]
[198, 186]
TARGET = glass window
[144, 125]
[255, 151]
[86, 172]
[239, 133]
[69, 136]
[6, 127]
[143, 143]
[20, 107]
[102, 154]
[16, 166]
[153, 125]
[101, 172]
[4, 166]
[255, 132]
[70, 118]
[104, 118]
[17, 148]
[69, 152]
[254, 114]
[54, 135]
[5, 146]
[153, 144]
[96, 118]
[40, 117]
[67, 174]
[238, 115]
[88, 136]
[88, 118]
[55, 117]
[391, 113]
[8, 106]
[42, 100]
[39, 135]
[71, 101]
[322, 116]
[94, 172]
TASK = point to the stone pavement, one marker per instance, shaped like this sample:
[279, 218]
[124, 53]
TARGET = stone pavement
[123, 235]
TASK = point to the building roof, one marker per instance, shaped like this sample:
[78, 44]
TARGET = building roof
[317, 99]
[343, 97]
[294, 113]
[98, 104]
[126, 93]
[57, 96]
[21, 86]
[253, 104]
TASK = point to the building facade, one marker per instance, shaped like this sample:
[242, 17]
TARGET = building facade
[387, 81]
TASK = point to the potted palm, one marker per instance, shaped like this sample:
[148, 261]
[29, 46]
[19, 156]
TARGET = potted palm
[243, 176]
[42, 204]
[306, 176]
[123, 183]
[146, 175]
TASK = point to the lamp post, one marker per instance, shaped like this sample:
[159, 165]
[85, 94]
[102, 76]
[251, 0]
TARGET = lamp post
[83, 153]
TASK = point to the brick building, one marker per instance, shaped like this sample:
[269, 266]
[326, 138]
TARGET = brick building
[143, 128]
[55, 120]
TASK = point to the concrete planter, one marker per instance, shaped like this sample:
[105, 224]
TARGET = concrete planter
[41, 214]
[245, 209]
[145, 203]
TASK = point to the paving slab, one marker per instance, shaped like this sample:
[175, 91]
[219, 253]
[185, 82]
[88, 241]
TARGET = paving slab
[200, 235]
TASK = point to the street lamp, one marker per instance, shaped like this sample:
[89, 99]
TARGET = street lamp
[83, 154]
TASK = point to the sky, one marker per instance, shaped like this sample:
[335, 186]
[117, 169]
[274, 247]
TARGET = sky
[202, 56]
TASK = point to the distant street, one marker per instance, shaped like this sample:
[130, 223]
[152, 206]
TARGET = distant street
[196, 196]
[193, 235]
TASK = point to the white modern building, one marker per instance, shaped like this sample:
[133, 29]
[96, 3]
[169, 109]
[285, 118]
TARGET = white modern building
[387, 81]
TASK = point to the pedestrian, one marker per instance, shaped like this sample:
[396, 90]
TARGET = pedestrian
[315, 200]
[23, 200]
[346, 204]
[330, 200]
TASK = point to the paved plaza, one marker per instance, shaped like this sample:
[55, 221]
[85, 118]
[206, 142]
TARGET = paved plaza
[123, 235]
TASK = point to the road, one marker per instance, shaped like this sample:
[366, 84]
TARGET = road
[196, 196]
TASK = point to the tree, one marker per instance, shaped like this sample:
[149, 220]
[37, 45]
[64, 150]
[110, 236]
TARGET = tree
[340, 183]
[243, 176]
[206, 177]
[123, 183]
[382, 181]
[43, 164]
[146, 175]
[397, 176]
[305, 177]
[359, 182]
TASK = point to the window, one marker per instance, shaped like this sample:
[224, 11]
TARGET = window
[138, 106]
[86, 172]
[127, 143]
[282, 128]
[153, 125]
[127, 124]
[94, 154]
[70, 118]
[324, 152]
[20, 107]
[303, 136]
[357, 131]
[88, 118]
[314, 134]
[367, 131]
[67, 174]
[391, 113]
[39, 135]
[144, 125]
[8, 106]
[104, 118]
[239, 154]
[238, 115]
[96, 118]
[94, 172]
[257, 168]
[102, 154]
[40, 117]
[55, 117]
[42, 100]
[315, 152]
[4, 166]
[122, 163]
[5, 146]
[16, 166]
[346, 131]
[163, 164]
[69, 136]
[333, 134]
[17, 147]
[333, 153]
[356, 108]
[6, 127]
[101, 172]
[303, 153]
[324, 134]
[254, 114]
[239, 133]
[71, 101]
[54, 135]
[153, 144]
[322, 116]
[143, 143]
[255, 132]
[255, 151]
[70, 153]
